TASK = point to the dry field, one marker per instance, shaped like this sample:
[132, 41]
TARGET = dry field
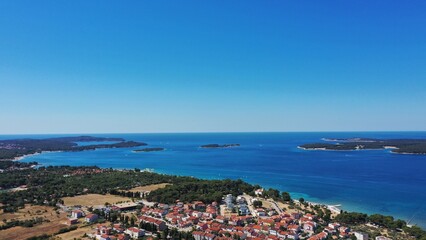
[24, 233]
[287, 207]
[29, 212]
[93, 200]
[265, 203]
[149, 187]
[295, 210]
[76, 234]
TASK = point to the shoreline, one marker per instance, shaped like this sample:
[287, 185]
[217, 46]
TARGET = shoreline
[332, 208]
[299, 147]
[350, 150]
[335, 208]
[29, 155]
[337, 150]
[22, 157]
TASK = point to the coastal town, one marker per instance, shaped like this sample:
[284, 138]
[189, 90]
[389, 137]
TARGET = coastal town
[236, 217]
[106, 204]
[212, 120]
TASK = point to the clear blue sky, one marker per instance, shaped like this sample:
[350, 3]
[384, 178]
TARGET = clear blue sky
[202, 66]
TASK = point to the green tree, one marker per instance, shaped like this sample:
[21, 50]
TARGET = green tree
[285, 196]
[257, 204]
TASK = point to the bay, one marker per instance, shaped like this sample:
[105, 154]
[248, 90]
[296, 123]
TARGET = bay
[371, 181]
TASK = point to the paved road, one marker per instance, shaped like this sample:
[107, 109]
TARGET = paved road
[275, 206]
[249, 204]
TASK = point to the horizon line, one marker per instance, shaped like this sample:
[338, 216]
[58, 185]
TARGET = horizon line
[219, 132]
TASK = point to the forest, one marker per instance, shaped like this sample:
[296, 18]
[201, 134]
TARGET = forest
[14, 165]
[206, 191]
[13, 148]
[354, 218]
[47, 185]
[413, 146]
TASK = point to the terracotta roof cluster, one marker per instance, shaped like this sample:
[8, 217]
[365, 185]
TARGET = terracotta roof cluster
[155, 221]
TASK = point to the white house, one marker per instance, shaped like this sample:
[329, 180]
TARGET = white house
[382, 238]
[77, 213]
[91, 218]
[258, 192]
[361, 236]
[229, 199]
[135, 232]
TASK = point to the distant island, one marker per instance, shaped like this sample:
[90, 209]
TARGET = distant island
[15, 148]
[220, 146]
[349, 139]
[157, 149]
[403, 146]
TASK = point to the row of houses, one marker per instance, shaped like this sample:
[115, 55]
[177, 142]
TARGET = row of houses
[117, 232]
[183, 215]
[77, 214]
[209, 224]
[266, 226]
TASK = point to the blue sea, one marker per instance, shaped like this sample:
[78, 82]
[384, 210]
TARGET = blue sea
[371, 181]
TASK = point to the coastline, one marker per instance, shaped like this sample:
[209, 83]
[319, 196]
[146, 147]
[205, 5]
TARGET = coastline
[22, 157]
[29, 155]
[299, 147]
[350, 150]
[335, 208]
[408, 153]
[331, 206]
[336, 150]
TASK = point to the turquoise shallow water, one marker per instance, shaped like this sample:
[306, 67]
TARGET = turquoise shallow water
[369, 181]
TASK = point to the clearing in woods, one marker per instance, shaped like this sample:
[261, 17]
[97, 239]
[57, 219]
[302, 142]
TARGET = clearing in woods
[56, 222]
[93, 200]
[149, 187]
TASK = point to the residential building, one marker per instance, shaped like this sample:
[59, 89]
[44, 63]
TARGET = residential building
[77, 213]
[135, 232]
[90, 218]
[361, 236]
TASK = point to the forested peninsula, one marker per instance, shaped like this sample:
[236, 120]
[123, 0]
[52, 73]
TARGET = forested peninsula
[403, 146]
[15, 148]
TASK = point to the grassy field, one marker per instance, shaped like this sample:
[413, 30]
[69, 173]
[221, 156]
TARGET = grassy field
[149, 187]
[76, 234]
[56, 222]
[287, 207]
[24, 233]
[30, 212]
[93, 200]
[265, 203]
